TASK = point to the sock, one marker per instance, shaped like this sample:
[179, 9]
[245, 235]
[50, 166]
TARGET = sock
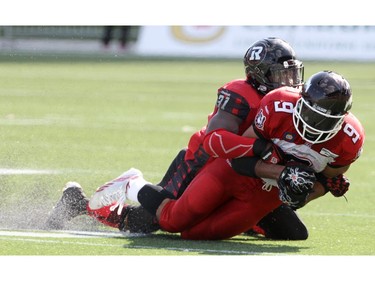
[135, 186]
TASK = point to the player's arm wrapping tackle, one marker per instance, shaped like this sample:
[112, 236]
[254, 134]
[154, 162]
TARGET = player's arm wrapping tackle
[295, 181]
[224, 144]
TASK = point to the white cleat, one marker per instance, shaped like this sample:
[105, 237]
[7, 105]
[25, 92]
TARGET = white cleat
[113, 193]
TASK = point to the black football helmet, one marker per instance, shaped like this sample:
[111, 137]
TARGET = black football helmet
[326, 98]
[271, 63]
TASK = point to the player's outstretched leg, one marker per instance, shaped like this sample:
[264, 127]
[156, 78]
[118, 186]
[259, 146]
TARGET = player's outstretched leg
[72, 203]
[112, 197]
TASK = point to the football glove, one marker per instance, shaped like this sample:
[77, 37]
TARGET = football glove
[295, 183]
[338, 185]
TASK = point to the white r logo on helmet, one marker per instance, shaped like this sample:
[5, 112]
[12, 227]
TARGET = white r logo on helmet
[255, 53]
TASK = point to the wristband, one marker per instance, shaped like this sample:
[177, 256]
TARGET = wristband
[245, 166]
[259, 146]
[323, 180]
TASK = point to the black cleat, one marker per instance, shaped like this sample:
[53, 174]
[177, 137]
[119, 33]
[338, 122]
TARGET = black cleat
[72, 203]
[136, 219]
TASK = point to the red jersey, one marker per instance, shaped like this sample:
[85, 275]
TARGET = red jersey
[237, 97]
[274, 121]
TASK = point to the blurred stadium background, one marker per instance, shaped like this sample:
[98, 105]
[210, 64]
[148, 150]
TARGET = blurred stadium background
[345, 43]
[79, 40]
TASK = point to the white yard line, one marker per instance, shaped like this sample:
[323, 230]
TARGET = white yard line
[5, 171]
[227, 252]
[356, 215]
[30, 236]
[63, 234]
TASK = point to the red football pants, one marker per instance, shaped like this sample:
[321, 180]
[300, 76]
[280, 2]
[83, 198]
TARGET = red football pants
[218, 204]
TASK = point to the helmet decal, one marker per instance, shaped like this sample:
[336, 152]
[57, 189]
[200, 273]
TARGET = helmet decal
[255, 52]
[259, 120]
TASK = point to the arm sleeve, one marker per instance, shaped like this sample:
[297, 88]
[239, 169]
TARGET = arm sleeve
[224, 144]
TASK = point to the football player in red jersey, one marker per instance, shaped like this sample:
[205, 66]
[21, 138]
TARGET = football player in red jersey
[312, 127]
[269, 63]
[323, 133]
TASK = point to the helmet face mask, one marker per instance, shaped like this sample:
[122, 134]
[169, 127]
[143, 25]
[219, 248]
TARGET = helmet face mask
[271, 63]
[313, 125]
[319, 113]
[289, 73]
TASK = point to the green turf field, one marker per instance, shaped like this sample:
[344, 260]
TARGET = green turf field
[90, 120]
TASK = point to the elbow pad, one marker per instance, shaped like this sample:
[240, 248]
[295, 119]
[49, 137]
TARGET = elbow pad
[225, 144]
